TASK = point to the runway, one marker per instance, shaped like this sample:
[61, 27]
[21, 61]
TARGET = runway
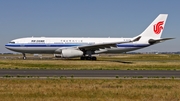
[90, 73]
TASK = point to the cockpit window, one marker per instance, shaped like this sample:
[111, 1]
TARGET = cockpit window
[12, 42]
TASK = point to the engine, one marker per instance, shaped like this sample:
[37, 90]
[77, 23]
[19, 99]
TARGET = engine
[70, 53]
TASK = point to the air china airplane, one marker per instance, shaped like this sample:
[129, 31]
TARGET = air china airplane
[84, 48]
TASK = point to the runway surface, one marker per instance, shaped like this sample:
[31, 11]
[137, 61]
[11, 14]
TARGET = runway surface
[91, 73]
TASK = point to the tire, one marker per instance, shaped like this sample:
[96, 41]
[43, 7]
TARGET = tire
[82, 58]
[94, 58]
[88, 58]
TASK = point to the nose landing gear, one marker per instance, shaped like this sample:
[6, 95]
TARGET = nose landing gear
[24, 56]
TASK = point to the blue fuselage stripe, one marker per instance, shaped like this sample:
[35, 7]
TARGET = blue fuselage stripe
[69, 45]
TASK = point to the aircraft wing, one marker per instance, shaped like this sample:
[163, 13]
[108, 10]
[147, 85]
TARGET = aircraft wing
[105, 45]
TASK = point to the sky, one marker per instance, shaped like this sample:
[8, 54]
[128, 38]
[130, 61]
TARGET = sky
[88, 18]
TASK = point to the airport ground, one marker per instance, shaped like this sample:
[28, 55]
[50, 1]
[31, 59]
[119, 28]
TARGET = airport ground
[104, 62]
[117, 89]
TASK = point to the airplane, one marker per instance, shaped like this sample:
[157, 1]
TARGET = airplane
[85, 48]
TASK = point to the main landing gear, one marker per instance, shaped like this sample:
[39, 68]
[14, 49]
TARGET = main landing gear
[24, 56]
[88, 58]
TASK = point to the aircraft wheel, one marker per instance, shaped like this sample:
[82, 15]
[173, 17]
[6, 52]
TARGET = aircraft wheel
[83, 58]
[88, 58]
[93, 58]
[24, 58]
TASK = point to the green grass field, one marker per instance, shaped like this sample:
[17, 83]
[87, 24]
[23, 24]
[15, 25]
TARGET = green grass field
[106, 62]
[89, 90]
[62, 89]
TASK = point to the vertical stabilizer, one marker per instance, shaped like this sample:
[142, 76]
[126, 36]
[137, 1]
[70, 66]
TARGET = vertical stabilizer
[155, 29]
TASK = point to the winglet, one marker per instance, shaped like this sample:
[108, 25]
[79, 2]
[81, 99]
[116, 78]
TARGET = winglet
[136, 39]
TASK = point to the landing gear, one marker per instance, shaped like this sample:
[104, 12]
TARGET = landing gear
[88, 58]
[24, 56]
[93, 58]
[83, 58]
[88, 55]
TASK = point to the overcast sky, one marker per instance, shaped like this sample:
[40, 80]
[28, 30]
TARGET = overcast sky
[87, 18]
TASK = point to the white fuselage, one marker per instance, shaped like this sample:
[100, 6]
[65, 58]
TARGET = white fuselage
[52, 44]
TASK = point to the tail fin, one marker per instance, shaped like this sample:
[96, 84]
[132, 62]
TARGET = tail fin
[155, 29]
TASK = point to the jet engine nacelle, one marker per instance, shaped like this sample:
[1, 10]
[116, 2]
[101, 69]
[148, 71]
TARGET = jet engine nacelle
[70, 53]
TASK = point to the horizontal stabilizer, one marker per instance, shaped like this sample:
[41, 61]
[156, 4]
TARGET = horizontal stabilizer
[153, 41]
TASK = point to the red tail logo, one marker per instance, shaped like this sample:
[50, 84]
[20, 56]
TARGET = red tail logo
[158, 27]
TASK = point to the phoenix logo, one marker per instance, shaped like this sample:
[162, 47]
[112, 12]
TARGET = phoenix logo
[158, 27]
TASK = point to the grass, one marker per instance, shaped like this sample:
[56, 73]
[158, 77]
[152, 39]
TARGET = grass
[106, 62]
[62, 89]
[89, 90]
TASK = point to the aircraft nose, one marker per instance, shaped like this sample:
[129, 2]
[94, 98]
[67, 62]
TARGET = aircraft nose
[7, 46]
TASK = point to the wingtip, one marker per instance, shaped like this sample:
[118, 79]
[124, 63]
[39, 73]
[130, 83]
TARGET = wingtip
[136, 39]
